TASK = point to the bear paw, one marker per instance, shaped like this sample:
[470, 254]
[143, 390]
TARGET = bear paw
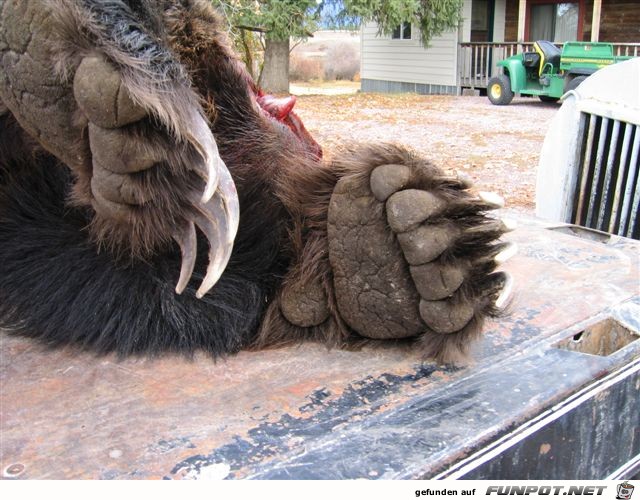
[414, 253]
[149, 185]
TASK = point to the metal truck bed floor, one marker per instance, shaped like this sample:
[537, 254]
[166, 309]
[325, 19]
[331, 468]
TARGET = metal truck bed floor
[531, 406]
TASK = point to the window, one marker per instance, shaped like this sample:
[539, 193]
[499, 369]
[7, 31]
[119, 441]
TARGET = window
[482, 21]
[555, 22]
[402, 32]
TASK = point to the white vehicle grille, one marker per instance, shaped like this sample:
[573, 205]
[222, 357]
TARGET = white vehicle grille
[607, 191]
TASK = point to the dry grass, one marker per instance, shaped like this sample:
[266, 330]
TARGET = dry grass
[305, 69]
[497, 146]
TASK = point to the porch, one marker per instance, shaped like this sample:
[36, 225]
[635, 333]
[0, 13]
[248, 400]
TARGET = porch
[477, 60]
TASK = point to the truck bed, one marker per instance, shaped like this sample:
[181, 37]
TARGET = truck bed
[531, 405]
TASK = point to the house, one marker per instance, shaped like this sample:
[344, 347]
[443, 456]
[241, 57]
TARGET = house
[490, 31]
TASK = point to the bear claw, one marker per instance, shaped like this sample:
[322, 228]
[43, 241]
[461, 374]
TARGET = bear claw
[506, 292]
[493, 199]
[504, 255]
[123, 145]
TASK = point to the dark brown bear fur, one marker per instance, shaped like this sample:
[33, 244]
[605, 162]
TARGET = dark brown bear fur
[72, 272]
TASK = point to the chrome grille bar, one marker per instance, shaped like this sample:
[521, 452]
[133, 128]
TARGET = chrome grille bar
[617, 213]
[608, 184]
[629, 209]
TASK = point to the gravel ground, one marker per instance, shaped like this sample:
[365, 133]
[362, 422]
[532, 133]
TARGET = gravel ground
[497, 146]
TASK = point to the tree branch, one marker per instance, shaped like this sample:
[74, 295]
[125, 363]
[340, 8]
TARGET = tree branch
[258, 29]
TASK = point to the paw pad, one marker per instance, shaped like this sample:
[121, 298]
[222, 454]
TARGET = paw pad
[406, 209]
[436, 255]
[388, 179]
[426, 242]
[435, 281]
[101, 96]
[445, 316]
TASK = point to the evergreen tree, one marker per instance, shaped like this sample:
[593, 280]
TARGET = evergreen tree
[277, 21]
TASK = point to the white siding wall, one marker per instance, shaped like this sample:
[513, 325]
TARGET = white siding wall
[407, 60]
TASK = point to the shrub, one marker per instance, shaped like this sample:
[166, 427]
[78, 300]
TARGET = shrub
[303, 69]
[343, 62]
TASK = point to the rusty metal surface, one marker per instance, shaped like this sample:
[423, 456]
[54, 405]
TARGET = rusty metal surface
[308, 412]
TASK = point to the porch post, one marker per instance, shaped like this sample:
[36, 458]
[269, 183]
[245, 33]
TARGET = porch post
[522, 11]
[595, 22]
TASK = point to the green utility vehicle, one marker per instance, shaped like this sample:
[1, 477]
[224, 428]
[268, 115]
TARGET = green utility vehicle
[549, 72]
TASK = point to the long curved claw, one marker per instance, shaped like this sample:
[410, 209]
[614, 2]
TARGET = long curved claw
[186, 239]
[217, 212]
[218, 220]
[509, 251]
[506, 292]
[212, 221]
[213, 166]
[509, 225]
[464, 180]
[492, 199]
[229, 196]
[496, 226]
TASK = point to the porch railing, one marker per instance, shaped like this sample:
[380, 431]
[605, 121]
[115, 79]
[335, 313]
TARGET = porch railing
[627, 49]
[477, 60]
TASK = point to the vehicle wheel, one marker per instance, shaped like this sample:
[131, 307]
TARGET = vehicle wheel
[499, 90]
[573, 83]
[548, 98]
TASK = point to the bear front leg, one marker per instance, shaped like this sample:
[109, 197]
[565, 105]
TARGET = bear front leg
[409, 253]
